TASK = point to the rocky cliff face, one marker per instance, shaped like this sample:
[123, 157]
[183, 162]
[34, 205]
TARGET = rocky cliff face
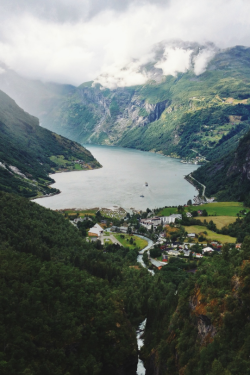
[91, 114]
[206, 331]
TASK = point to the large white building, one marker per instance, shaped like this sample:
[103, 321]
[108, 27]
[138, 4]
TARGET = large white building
[95, 231]
[170, 219]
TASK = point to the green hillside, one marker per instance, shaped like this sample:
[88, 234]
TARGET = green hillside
[28, 152]
[227, 177]
[66, 307]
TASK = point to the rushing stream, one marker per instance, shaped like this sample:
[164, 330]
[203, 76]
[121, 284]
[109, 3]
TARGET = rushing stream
[140, 331]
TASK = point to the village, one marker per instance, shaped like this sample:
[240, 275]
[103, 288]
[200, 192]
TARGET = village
[164, 237]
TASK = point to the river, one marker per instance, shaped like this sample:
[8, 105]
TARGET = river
[121, 181]
[140, 330]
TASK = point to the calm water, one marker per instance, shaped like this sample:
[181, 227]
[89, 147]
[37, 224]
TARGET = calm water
[121, 181]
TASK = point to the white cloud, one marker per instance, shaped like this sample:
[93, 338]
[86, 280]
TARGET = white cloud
[119, 76]
[202, 59]
[175, 60]
[2, 70]
[71, 44]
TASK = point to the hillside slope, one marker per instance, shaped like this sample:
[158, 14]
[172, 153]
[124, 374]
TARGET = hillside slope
[28, 152]
[228, 177]
[65, 304]
[201, 326]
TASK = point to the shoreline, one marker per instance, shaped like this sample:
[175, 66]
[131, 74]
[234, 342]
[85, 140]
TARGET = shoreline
[108, 207]
[59, 191]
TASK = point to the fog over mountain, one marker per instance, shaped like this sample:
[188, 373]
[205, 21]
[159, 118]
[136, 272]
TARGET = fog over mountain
[77, 41]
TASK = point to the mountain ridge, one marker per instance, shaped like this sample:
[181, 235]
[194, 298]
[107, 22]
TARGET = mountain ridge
[28, 152]
[158, 115]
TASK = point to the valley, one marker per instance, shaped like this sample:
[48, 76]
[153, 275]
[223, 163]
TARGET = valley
[137, 261]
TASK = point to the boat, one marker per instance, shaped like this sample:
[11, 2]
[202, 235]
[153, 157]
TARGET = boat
[142, 196]
[146, 184]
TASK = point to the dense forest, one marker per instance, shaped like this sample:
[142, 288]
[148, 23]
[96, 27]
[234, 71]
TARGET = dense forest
[201, 326]
[67, 307]
[227, 177]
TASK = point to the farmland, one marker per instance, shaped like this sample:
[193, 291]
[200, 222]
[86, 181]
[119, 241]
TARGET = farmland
[210, 234]
[213, 209]
[220, 221]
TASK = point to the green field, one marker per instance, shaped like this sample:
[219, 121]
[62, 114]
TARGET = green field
[139, 242]
[213, 209]
[167, 211]
[210, 234]
[221, 208]
[77, 167]
[60, 160]
[220, 221]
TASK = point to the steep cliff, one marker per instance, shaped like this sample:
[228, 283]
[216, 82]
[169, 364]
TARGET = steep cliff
[228, 178]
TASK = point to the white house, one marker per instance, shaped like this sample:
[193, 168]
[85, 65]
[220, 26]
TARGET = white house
[191, 235]
[167, 220]
[207, 249]
[95, 231]
[177, 216]
[170, 219]
[174, 252]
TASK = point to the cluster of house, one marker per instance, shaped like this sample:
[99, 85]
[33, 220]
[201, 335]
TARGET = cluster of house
[154, 222]
[176, 249]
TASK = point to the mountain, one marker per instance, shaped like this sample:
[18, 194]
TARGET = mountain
[67, 307]
[28, 152]
[199, 324]
[183, 115]
[228, 177]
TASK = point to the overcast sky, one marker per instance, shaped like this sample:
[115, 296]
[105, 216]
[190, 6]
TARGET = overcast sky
[73, 41]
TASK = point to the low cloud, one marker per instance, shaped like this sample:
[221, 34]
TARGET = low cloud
[175, 60]
[81, 40]
[119, 76]
[202, 59]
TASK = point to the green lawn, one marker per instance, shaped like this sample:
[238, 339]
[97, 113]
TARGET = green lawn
[77, 167]
[221, 208]
[210, 235]
[107, 241]
[214, 209]
[168, 211]
[139, 242]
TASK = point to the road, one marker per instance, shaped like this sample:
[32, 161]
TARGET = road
[204, 187]
[110, 237]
